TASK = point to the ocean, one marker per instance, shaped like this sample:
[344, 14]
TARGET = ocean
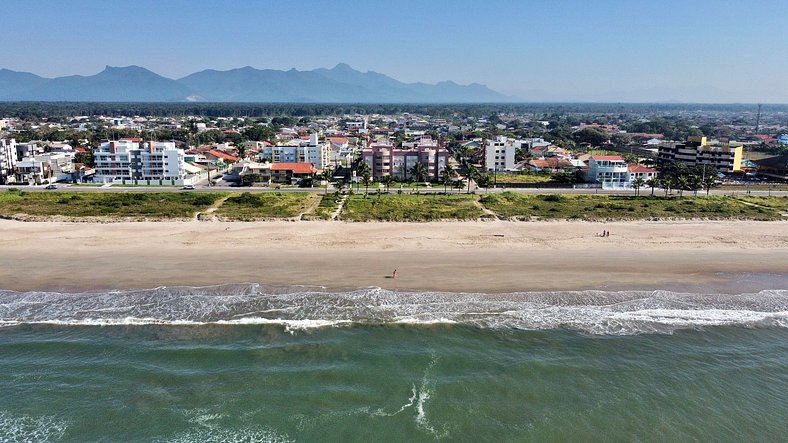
[252, 363]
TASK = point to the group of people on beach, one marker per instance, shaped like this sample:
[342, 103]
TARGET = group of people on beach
[603, 234]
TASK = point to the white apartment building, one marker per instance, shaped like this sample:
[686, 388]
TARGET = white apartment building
[7, 159]
[299, 151]
[128, 161]
[499, 154]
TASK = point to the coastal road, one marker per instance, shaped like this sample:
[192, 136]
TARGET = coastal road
[433, 190]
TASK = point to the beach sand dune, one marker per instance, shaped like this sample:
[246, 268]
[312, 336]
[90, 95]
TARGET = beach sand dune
[487, 257]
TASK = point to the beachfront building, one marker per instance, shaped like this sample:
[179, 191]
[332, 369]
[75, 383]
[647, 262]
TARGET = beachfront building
[499, 154]
[129, 161]
[385, 160]
[292, 173]
[45, 168]
[7, 160]
[697, 151]
[613, 171]
[299, 151]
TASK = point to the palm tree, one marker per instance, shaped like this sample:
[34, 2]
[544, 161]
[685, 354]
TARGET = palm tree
[667, 183]
[683, 183]
[472, 174]
[387, 180]
[637, 184]
[419, 171]
[363, 170]
[708, 182]
[326, 175]
[446, 176]
[366, 177]
[652, 182]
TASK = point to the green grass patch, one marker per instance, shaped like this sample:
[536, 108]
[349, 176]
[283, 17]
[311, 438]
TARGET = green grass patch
[523, 178]
[265, 205]
[777, 203]
[328, 204]
[409, 207]
[616, 207]
[148, 205]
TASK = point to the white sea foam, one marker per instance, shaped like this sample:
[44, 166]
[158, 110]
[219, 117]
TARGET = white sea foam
[25, 428]
[596, 312]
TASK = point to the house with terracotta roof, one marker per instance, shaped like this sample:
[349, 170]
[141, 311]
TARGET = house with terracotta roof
[550, 164]
[291, 173]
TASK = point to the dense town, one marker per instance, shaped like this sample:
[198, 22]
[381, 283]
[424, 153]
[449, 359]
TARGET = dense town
[672, 151]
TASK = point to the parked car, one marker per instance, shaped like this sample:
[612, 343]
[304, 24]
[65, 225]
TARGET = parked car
[53, 186]
[188, 187]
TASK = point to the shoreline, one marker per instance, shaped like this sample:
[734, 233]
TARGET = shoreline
[484, 257]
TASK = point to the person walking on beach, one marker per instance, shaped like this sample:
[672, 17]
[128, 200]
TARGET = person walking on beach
[394, 274]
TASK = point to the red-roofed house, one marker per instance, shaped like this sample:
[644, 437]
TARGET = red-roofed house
[291, 173]
[228, 159]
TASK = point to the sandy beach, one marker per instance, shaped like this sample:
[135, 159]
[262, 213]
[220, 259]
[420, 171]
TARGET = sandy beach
[444, 256]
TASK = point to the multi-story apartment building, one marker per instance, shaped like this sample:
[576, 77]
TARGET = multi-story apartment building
[7, 159]
[384, 159]
[499, 154]
[130, 161]
[697, 151]
[299, 151]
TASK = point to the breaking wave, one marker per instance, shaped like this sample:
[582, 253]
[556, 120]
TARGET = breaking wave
[295, 308]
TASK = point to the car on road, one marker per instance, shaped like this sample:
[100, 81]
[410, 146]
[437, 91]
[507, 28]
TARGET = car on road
[53, 186]
[188, 188]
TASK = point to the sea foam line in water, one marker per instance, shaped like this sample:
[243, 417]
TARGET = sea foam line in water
[598, 312]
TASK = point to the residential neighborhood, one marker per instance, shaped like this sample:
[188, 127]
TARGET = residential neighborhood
[499, 149]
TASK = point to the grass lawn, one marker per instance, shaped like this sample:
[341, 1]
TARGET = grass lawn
[409, 207]
[777, 203]
[615, 207]
[266, 205]
[149, 205]
[523, 178]
[328, 204]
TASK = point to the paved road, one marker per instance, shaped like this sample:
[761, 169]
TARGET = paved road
[393, 189]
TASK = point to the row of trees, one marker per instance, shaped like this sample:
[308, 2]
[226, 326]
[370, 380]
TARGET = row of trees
[676, 176]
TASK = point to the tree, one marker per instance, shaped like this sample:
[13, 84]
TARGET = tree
[472, 174]
[387, 181]
[620, 140]
[653, 182]
[85, 157]
[326, 175]
[709, 181]
[594, 137]
[366, 177]
[637, 184]
[683, 183]
[446, 177]
[363, 170]
[667, 183]
[419, 171]
[340, 184]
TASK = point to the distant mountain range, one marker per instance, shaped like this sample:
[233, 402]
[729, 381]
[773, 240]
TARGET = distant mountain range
[341, 84]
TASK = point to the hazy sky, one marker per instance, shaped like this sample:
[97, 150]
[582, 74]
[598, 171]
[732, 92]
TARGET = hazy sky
[688, 50]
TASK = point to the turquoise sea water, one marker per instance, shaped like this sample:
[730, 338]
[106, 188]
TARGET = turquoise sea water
[249, 363]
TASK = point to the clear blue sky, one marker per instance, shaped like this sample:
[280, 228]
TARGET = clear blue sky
[690, 50]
